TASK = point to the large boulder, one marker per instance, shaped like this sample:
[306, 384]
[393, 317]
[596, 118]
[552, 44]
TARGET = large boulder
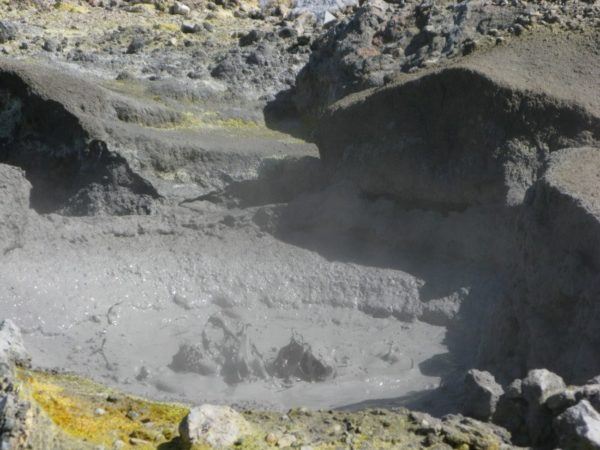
[536, 388]
[14, 412]
[12, 347]
[482, 393]
[217, 426]
[578, 428]
[14, 207]
[539, 385]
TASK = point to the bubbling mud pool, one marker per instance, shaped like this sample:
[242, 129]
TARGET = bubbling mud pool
[257, 282]
[220, 311]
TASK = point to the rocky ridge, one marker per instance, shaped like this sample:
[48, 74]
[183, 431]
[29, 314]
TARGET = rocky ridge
[383, 39]
[540, 410]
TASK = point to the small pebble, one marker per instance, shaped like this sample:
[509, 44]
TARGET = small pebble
[287, 440]
[271, 439]
[137, 441]
[132, 415]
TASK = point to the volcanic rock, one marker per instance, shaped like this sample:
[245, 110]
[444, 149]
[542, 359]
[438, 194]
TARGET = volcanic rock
[217, 426]
[8, 31]
[12, 347]
[481, 394]
[299, 360]
[180, 9]
[578, 428]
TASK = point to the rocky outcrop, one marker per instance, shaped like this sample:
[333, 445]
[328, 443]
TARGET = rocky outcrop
[541, 411]
[475, 133]
[14, 412]
[12, 347]
[369, 48]
[90, 150]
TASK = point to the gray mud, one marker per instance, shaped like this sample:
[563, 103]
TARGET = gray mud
[210, 263]
[116, 298]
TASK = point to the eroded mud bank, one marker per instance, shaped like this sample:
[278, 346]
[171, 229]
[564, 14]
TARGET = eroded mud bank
[483, 137]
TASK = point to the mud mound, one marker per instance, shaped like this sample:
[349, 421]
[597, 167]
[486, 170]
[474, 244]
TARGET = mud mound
[54, 129]
[474, 133]
[299, 360]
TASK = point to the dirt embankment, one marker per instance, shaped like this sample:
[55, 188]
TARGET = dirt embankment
[486, 134]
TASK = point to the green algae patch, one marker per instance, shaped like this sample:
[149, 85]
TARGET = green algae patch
[211, 120]
[71, 8]
[168, 26]
[90, 412]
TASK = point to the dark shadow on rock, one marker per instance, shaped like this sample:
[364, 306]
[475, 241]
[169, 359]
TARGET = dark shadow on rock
[281, 114]
[70, 171]
[278, 181]
[173, 444]
[438, 365]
